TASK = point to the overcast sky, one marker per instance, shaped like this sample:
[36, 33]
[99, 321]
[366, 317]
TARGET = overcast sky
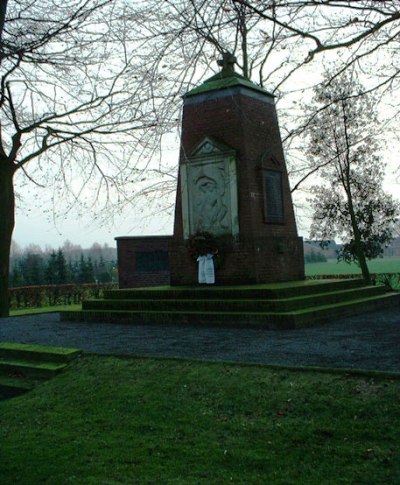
[36, 229]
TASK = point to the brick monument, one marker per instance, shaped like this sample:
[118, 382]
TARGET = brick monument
[233, 184]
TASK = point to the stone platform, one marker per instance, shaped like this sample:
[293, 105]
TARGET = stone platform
[271, 306]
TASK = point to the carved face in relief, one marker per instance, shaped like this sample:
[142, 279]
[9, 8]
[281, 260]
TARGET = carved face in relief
[210, 209]
[206, 185]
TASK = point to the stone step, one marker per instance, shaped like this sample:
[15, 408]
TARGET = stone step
[237, 305]
[18, 351]
[354, 307]
[30, 369]
[272, 320]
[264, 291]
[23, 366]
[14, 386]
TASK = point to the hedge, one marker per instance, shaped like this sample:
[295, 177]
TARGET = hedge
[51, 295]
[391, 280]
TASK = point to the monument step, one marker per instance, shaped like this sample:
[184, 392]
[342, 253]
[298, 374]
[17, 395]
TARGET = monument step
[270, 320]
[354, 307]
[37, 352]
[237, 305]
[262, 291]
[11, 387]
[25, 368]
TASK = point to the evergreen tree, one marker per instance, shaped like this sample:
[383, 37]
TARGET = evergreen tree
[73, 272]
[85, 270]
[104, 271]
[16, 277]
[61, 267]
[33, 269]
[51, 269]
[89, 271]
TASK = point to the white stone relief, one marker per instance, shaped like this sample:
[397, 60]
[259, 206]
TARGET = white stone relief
[210, 201]
[209, 192]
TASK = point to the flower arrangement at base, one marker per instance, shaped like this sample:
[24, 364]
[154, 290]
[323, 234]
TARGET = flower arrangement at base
[203, 243]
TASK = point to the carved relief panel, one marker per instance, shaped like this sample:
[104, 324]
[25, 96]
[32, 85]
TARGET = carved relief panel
[209, 190]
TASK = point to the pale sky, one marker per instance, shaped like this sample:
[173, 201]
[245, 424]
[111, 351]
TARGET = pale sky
[36, 229]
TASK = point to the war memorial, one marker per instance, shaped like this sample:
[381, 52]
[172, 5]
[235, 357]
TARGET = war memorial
[235, 257]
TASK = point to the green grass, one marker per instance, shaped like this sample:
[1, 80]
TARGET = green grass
[332, 267]
[44, 309]
[145, 421]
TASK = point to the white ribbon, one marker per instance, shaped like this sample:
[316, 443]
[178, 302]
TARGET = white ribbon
[206, 269]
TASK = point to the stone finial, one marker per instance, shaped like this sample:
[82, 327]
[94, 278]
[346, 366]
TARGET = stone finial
[227, 62]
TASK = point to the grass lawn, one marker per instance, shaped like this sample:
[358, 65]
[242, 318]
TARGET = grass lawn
[332, 267]
[145, 421]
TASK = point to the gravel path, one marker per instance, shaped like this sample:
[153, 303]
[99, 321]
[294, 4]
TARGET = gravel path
[370, 341]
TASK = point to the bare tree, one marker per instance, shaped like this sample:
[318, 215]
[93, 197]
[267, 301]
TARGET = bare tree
[278, 42]
[76, 102]
[274, 39]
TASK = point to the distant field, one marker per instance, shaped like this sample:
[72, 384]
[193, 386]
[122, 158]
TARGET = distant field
[384, 265]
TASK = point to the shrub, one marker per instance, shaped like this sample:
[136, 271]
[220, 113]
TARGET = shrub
[51, 295]
[390, 280]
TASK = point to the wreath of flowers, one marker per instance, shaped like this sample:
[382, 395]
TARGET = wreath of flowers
[203, 243]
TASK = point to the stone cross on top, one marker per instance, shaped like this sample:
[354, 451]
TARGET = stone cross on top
[227, 62]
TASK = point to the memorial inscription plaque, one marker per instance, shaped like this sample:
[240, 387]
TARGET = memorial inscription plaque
[273, 197]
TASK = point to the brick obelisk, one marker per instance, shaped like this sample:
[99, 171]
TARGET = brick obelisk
[233, 184]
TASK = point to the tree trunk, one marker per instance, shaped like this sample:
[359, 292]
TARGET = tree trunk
[7, 219]
[362, 261]
[3, 10]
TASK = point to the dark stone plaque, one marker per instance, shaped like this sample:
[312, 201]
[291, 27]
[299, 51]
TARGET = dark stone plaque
[152, 261]
[273, 196]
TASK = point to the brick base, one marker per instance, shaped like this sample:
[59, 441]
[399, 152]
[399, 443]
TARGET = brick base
[260, 261]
